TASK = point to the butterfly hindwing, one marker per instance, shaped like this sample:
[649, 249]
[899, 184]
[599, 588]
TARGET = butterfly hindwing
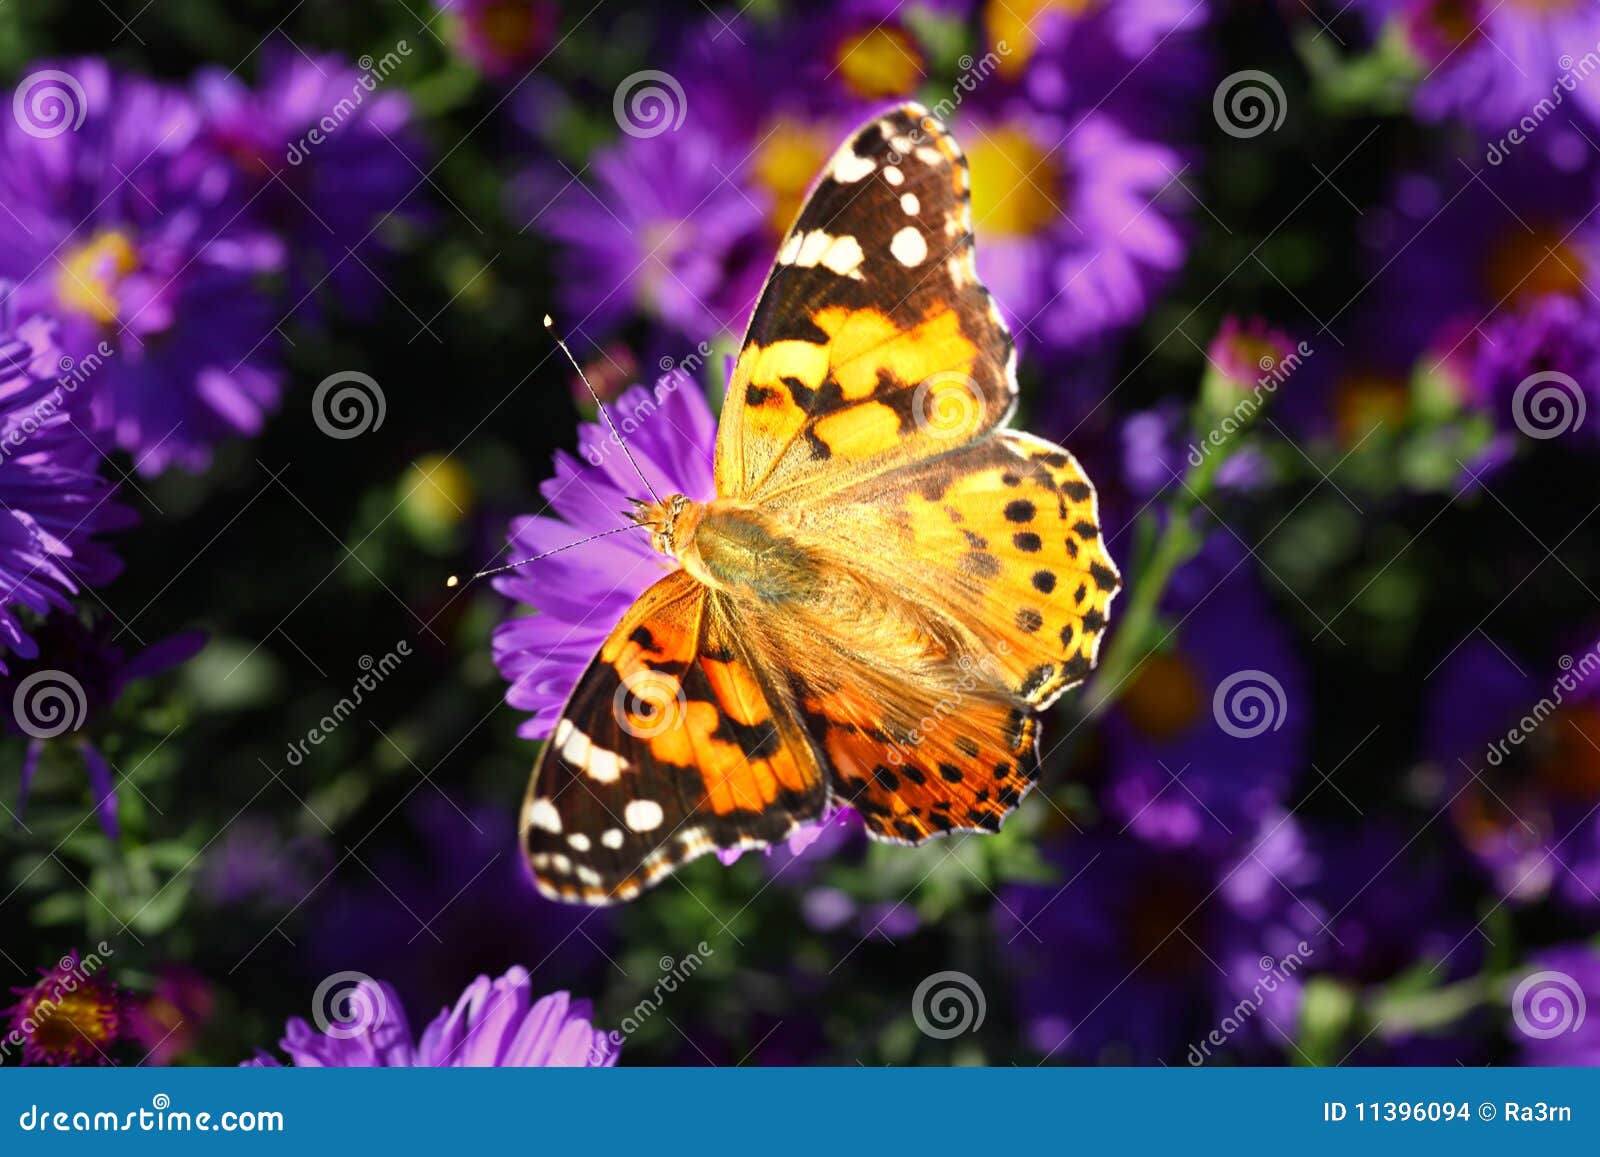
[1004, 538]
[873, 343]
[673, 744]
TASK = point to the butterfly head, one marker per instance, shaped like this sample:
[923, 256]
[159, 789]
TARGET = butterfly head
[671, 522]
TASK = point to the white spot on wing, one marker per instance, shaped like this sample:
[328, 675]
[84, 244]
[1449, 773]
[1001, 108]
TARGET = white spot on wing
[909, 204]
[643, 815]
[542, 814]
[893, 175]
[604, 766]
[849, 166]
[612, 838]
[579, 842]
[844, 256]
[908, 246]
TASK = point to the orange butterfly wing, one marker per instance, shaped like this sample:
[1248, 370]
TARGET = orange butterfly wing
[673, 744]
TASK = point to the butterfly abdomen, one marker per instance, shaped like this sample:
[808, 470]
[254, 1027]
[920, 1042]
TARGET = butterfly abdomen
[743, 552]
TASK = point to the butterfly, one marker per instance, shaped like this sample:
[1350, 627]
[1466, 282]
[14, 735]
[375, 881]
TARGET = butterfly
[887, 589]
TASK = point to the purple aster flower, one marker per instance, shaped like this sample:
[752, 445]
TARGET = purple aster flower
[503, 38]
[71, 1016]
[1520, 753]
[1492, 63]
[1392, 901]
[1554, 1000]
[666, 231]
[79, 675]
[1137, 955]
[1553, 344]
[168, 1021]
[326, 152]
[1144, 61]
[1455, 251]
[495, 1024]
[581, 594]
[1208, 734]
[1078, 224]
[53, 500]
[128, 231]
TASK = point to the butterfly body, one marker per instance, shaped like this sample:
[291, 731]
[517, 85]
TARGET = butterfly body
[887, 587]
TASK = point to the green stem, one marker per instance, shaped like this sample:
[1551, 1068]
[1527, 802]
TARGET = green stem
[1178, 542]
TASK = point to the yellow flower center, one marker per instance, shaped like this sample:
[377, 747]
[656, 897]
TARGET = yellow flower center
[784, 165]
[880, 63]
[437, 491]
[64, 1031]
[1367, 401]
[1012, 22]
[1165, 698]
[1015, 190]
[87, 283]
[1524, 265]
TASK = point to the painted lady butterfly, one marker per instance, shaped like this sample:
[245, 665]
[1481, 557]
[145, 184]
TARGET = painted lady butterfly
[887, 588]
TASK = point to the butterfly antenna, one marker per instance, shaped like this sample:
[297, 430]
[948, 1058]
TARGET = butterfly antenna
[550, 325]
[455, 580]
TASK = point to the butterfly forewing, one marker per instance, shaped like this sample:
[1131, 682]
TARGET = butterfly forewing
[873, 343]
